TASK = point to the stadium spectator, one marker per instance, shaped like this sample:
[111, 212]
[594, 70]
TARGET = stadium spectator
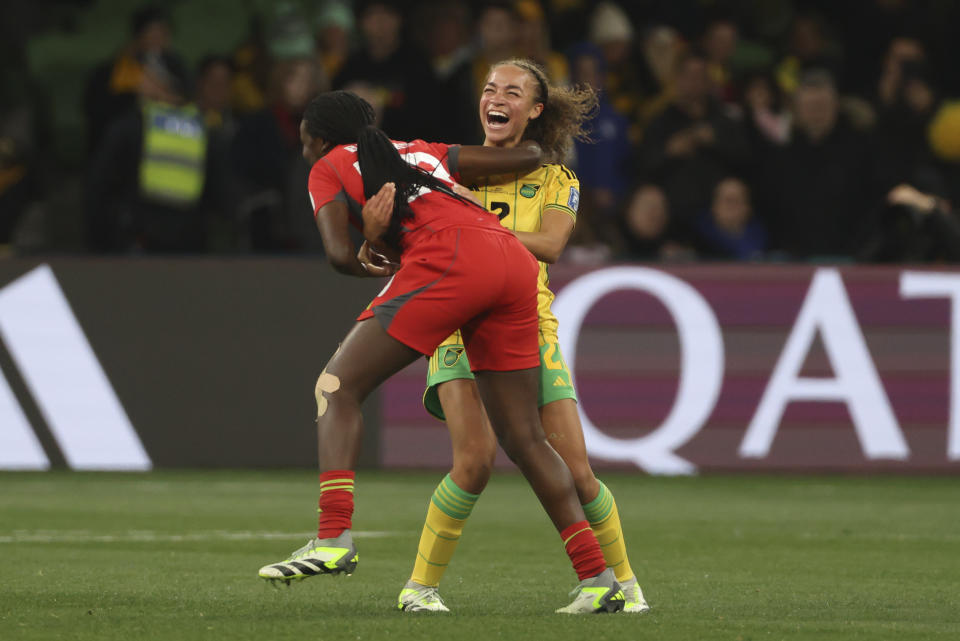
[214, 82]
[766, 118]
[612, 31]
[944, 139]
[944, 132]
[251, 64]
[213, 98]
[903, 59]
[23, 136]
[447, 30]
[907, 103]
[567, 20]
[808, 47]
[915, 227]
[728, 230]
[498, 28]
[334, 29]
[603, 164]
[692, 144]
[533, 41]
[818, 183]
[372, 96]
[384, 62]
[872, 25]
[113, 87]
[647, 228]
[895, 54]
[267, 158]
[155, 183]
[719, 43]
[289, 34]
[661, 48]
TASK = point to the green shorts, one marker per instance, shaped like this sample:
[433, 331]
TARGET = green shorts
[449, 362]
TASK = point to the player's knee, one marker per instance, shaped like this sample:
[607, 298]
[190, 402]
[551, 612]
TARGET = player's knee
[474, 462]
[331, 389]
[473, 475]
[327, 385]
[518, 446]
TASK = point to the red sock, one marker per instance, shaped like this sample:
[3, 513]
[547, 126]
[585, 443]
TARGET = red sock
[583, 550]
[336, 503]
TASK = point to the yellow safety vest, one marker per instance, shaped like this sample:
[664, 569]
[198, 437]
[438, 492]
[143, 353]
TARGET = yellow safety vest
[174, 151]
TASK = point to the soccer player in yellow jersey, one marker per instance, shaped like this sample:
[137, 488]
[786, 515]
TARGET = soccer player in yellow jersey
[517, 102]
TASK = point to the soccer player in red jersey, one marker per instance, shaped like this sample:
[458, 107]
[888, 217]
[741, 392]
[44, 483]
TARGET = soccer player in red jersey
[459, 269]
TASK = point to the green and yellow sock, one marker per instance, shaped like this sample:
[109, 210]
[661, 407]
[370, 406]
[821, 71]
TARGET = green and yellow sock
[604, 520]
[449, 508]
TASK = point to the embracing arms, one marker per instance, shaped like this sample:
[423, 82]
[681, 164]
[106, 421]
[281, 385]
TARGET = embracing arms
[476, 162]
[333, 218]
[549, 242]
[546, 244]
[333, 222]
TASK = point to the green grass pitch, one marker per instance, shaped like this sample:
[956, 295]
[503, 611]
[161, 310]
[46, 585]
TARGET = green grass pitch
[174, 555]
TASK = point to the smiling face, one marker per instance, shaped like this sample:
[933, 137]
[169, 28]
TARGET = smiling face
[731, 204]
[507, 104]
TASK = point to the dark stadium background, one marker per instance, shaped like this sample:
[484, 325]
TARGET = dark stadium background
[836, 142]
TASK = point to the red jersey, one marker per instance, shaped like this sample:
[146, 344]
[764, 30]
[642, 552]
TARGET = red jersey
[336, 176]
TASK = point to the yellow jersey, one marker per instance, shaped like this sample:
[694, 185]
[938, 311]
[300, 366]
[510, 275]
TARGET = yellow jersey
[520, 202]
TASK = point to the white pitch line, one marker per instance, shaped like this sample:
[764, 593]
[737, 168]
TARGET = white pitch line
[883, 537]
[148, 536]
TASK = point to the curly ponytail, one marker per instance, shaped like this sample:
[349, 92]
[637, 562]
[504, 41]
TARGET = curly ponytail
[564, 111]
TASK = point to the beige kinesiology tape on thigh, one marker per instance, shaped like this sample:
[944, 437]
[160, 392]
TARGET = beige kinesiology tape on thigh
[327, 383]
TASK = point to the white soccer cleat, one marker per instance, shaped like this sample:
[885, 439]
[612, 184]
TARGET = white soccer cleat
[633, 596]
[596, 595]
[420, 598]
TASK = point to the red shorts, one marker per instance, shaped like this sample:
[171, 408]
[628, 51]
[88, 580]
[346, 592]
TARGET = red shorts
[481, 281]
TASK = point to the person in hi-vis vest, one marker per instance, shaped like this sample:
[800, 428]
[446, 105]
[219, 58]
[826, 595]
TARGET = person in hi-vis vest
[159, 176]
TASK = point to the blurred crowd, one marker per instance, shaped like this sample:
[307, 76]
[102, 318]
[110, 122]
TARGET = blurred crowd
[726, 130]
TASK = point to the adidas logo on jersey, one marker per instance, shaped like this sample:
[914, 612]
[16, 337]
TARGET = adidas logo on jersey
[559, 382]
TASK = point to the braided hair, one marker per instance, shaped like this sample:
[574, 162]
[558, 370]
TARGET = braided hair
[565, 111]
[380, 163]
[342, 117]
[337, 117]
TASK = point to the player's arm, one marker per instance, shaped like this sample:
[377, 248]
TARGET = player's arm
[475, 162]
[561, 195]
[547, 244]
[333, 221]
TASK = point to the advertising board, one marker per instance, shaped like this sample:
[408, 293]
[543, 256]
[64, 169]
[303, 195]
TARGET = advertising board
[133, 364]
[756, 367]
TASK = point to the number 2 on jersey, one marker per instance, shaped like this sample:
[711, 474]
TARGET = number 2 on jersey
[501, 209]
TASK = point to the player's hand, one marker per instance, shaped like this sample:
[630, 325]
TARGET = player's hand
[460, 190]
[375, 263]
[378, 211]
